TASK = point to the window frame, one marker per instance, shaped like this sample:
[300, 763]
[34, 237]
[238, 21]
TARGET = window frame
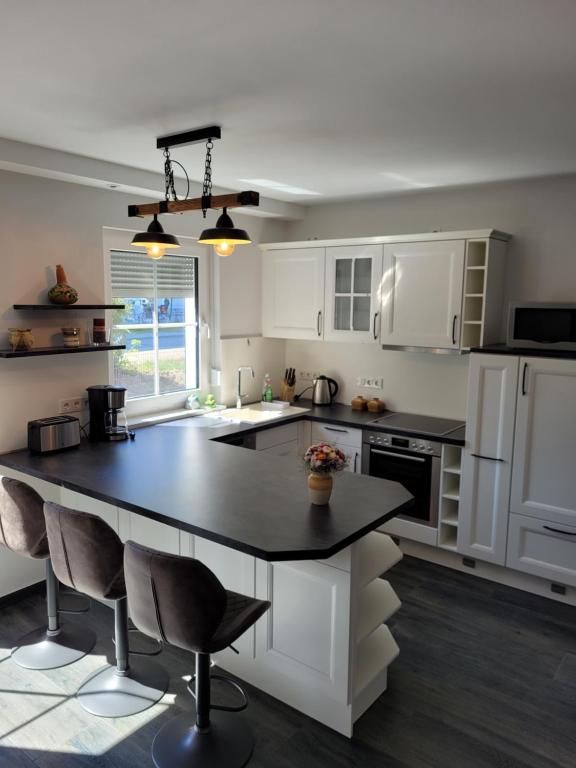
[114, 239]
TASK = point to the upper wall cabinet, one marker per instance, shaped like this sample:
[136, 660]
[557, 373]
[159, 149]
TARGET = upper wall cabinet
[293, 293]
[352, 298]
[422, 294]
[440, 292]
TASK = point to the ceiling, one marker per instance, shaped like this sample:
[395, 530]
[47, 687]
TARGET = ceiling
[341, 98]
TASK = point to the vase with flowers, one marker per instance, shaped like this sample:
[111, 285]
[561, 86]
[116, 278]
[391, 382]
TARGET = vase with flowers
[322, 461]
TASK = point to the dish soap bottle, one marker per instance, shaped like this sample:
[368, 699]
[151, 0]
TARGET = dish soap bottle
[267, 394]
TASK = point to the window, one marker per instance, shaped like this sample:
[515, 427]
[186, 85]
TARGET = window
[159, 324]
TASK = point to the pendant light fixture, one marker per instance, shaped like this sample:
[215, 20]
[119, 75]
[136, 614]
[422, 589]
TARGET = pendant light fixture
[224, 236]
[155, 240]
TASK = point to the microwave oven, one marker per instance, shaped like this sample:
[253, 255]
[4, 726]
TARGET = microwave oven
[535, 325]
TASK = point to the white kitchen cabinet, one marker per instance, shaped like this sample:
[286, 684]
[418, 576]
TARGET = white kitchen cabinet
[281, 440]
[422, 294]
[17, 572]
[542, 548]
[487, 457]
[82, 503]
[352, 296]
[543, 478]
[149, 533]
[293, 293]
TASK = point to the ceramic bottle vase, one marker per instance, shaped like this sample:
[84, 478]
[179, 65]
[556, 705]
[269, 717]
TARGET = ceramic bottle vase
[62, 293]
[320, 488]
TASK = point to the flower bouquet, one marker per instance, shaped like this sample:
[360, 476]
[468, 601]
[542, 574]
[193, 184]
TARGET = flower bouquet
[322, 461]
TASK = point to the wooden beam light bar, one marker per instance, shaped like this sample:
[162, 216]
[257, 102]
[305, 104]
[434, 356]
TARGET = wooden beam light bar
[214, 202]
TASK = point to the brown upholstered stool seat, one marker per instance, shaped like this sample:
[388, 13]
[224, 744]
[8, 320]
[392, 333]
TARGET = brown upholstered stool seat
[23, 531]
[179, 600]
[88, 555]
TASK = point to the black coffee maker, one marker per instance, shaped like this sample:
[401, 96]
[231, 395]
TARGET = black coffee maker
[107, 415]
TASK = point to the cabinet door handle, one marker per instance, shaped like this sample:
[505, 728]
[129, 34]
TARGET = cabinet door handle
[557, 530]
[355, 461]
[524, 371]
[335, 429]
[318, 318]
[397, 455]
[488, 458]
[454, 329]
[374, 334]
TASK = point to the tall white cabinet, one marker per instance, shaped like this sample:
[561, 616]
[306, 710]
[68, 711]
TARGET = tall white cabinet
[487, 457]
[518, 493]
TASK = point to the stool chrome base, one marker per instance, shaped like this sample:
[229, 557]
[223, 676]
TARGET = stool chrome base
[107, 693]
[228, 743]
[38, 650]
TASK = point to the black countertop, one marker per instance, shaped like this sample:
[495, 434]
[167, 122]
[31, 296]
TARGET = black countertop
[503, 349]
[338, 415]
[247, 500]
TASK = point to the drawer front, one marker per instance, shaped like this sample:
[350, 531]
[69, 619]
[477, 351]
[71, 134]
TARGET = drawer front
[542, 548]
[333, 433]
[276, 436]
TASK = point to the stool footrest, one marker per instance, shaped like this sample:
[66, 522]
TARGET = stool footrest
[228, 681]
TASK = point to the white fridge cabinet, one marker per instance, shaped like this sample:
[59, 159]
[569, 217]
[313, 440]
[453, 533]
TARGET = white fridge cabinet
[487, 457]
[544, 474]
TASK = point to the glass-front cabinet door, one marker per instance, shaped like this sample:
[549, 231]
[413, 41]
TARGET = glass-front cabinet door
[352, 300]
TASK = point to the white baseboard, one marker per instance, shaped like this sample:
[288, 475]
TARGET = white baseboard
[496, 573]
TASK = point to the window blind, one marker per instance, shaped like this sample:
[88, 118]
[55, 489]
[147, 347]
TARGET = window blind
[134, 274]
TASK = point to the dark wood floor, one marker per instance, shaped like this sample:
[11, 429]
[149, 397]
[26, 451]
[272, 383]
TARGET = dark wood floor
[486, 678]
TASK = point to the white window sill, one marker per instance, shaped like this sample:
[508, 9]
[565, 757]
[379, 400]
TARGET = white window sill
[135, 422]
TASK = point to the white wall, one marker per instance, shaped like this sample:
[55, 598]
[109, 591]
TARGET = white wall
[540, 214]
[45, 222]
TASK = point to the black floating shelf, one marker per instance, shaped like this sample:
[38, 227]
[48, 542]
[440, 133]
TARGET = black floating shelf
[38, 351]
[67, 307]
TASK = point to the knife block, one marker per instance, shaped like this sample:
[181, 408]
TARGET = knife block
[287, 393]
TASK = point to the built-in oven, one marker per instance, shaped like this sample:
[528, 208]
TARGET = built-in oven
[410, 461]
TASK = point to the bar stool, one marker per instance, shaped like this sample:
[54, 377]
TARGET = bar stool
[23, 531]
[180, 601]
[87, 554]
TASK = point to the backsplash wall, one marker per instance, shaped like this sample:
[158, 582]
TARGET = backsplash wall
[424, 383]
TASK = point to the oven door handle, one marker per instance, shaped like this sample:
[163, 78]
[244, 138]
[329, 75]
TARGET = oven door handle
[398, 455]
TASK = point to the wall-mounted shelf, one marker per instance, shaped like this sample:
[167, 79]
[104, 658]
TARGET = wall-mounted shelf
[66, 307]
[39, 351]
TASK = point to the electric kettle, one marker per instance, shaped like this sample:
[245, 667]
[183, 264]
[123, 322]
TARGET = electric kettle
[324, 391]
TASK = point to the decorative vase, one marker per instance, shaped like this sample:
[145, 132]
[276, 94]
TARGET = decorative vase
[320, 488]
[20, 338]
[62, 293]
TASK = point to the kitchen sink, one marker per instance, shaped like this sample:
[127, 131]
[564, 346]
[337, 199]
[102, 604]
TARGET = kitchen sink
[258, 413]
[197, 422]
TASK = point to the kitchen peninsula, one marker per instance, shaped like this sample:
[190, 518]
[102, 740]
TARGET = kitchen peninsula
[323, 647]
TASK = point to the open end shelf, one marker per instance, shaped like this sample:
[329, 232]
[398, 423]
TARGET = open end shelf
[39, 351]
[66, 307]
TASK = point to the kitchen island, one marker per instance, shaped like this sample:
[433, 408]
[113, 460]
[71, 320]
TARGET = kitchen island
[323, 648]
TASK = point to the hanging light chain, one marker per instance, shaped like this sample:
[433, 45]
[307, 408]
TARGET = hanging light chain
[207, 184]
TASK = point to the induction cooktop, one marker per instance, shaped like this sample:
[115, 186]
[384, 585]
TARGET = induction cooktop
[422, 425]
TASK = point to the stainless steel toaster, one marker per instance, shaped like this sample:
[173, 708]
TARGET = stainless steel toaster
[53, 434]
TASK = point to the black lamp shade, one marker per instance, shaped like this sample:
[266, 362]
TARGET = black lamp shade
[155, 235]
[224, 231]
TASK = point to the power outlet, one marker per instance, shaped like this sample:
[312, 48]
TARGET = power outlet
[306, 375]
[73, 404]
[368, 382]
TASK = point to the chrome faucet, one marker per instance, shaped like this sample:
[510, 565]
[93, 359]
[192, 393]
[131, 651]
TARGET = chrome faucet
[239, 393]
